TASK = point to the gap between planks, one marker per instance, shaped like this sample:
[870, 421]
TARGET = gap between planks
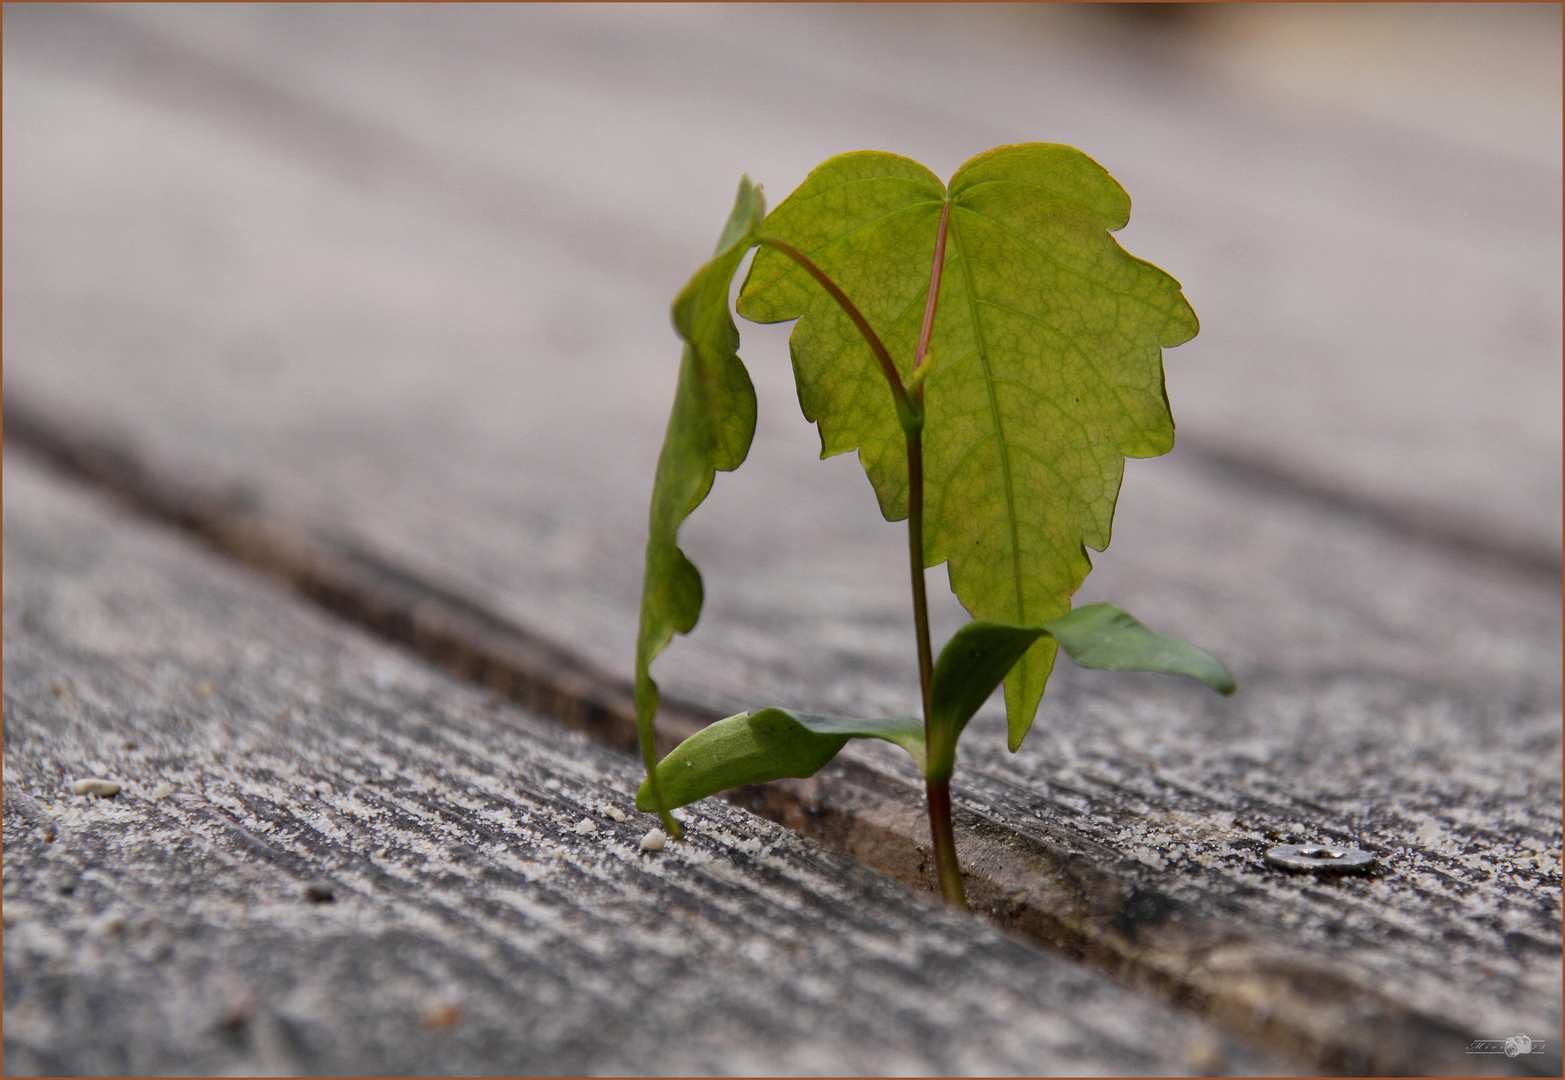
[1211, 962]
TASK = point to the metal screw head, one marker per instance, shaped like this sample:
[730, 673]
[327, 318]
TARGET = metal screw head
[1320, 858]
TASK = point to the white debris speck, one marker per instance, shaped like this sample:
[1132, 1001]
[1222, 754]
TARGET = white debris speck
[246, 749]
[585, 825]
[551, 784]
[161, 792]
[614, 812]
[654, 840]
[93, 785]
[108, 925]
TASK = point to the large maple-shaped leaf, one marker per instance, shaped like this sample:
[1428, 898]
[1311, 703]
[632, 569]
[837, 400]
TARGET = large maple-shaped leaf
[710, 428]
[1046, 362]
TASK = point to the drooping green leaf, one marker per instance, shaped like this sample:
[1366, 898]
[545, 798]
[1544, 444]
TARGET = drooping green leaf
[752, 748]
[1104, 636]
[710, 428]
[1046, 366]
[970, 666]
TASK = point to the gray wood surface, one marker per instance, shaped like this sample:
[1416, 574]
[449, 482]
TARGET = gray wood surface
[405, 279]
[475, 923]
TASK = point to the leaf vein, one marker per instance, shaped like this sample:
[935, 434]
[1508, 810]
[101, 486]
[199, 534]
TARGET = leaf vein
[999, 426]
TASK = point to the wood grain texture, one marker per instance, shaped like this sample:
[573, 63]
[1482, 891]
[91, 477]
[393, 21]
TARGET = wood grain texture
[475, 925]
[1142, 855]
[413, 294]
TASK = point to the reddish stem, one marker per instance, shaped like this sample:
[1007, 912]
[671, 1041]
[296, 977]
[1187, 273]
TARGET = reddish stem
[938, 792]
[905, 411]
[939, 795]
[911, 415]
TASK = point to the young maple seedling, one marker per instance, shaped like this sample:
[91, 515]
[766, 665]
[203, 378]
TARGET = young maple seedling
[994, 356]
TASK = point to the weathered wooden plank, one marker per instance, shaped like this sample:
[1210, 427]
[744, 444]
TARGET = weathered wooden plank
[1049, 861]
[1395, 689]
[476, 924]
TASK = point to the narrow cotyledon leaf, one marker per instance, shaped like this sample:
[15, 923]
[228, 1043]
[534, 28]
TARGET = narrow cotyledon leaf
[1046, 367]
[710, 428]
[771, 744]
[1104, 636]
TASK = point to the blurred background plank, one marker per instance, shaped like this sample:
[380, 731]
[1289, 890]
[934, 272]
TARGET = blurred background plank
[1378, 297]
[404, 273]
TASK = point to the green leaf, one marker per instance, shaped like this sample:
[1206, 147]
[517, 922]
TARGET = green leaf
[1046, 367]
[752, 748]
[710, 428]
[970, 666]
[1104, 636]
[905, 731]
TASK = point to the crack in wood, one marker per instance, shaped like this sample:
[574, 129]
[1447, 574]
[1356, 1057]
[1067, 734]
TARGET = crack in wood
[1218, 963]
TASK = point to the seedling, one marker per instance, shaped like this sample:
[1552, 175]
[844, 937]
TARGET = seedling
[994, 356]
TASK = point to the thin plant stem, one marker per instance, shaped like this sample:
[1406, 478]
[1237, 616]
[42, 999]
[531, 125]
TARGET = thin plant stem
[915, 556]
[938, 791]
[915, 477]
[910, 411]
[906, 413]
[935, 271]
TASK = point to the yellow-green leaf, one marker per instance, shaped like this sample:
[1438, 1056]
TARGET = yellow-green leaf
[710, 428]
[1105, 636]
[1045, 372]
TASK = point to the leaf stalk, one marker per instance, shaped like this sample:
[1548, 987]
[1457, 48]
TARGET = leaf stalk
[938, 791]
[909, 415]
